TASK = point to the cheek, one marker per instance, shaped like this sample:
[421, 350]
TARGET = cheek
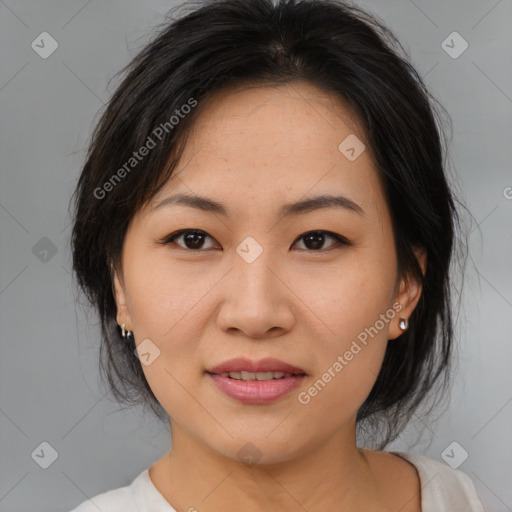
[348, 365]
[350, 296]
[165, 303]
[355, 304]
[164, 296]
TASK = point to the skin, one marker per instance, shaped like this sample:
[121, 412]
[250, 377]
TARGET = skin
[253, 150]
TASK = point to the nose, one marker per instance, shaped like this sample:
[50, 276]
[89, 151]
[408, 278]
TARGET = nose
[256, 300]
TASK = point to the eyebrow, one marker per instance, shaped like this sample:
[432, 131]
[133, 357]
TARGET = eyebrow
[297, 208]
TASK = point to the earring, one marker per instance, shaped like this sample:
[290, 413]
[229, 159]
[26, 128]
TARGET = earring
[403, 324]
[124, 333]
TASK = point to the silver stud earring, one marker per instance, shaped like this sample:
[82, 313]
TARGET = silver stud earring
[403, 324]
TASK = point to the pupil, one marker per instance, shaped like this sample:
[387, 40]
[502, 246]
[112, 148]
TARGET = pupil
[317, 240]
[191, 243]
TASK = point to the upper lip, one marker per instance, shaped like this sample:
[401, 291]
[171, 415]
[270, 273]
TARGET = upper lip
[263, 365]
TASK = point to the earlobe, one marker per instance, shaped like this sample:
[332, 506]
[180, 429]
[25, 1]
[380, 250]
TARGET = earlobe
[123, 314]
[408, 296]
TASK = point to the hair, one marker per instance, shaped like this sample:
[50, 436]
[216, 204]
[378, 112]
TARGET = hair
[343, 51]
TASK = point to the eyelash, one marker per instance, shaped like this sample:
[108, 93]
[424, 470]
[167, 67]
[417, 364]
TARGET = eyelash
[340, 240]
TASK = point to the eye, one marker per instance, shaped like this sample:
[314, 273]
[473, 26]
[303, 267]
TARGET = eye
[194, 240]
[314, 240]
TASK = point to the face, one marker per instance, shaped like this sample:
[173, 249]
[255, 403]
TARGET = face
[246, 275]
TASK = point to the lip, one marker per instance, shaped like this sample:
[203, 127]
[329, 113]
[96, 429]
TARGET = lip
[257, 391]
[264, 365]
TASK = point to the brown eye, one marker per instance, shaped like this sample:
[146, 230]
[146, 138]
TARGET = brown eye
[315, 240]
[192, 239]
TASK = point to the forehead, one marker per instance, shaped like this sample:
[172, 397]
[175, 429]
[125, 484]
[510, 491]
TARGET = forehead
[275, 144]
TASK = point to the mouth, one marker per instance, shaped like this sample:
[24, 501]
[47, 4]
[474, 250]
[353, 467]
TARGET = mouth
[256, 382]
[246, 369]
[250, 376]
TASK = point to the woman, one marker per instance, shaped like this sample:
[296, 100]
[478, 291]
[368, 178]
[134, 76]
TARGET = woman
[265, 228]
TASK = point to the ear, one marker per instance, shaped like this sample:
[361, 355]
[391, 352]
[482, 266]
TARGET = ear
[123, 313]
[408, 295]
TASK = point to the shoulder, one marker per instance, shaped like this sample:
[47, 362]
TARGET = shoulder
[122, 499]
[115, 500]
[443, 488]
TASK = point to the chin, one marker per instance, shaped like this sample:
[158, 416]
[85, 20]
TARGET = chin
[257, 447]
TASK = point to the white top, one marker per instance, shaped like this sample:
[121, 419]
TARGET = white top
[443, 489]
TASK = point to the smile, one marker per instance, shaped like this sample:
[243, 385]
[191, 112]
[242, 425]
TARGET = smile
[249, 376]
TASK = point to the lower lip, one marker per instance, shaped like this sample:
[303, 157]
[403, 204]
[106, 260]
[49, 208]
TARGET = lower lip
[257, 391]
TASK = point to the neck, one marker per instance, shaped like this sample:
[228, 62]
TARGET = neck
[335, 475]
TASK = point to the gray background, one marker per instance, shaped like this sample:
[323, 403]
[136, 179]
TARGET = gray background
[50, 390]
